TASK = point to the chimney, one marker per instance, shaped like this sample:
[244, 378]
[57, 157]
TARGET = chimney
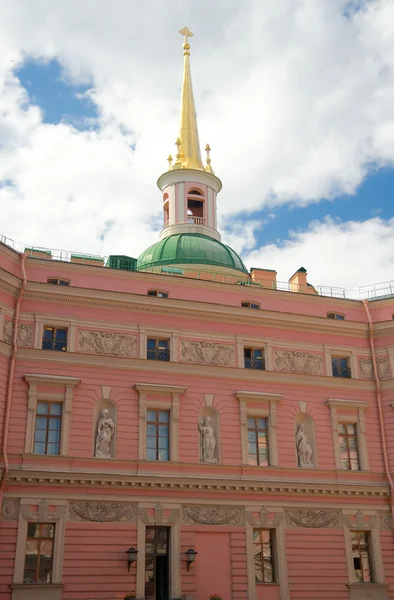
[265, 277]
[298, 282]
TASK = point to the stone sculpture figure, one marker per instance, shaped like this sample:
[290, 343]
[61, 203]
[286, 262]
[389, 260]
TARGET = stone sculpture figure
[105, 431]
[208, 441]
[304, 449]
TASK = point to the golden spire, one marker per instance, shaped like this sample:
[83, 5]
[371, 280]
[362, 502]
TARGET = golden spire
[189, 148]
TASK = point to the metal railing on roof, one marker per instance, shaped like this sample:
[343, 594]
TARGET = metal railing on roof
[374, 291]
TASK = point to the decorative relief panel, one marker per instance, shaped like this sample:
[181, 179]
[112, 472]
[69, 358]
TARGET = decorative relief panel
[315, 519]
[207, 353]
[366, 369]
[106, 342]
[298, 362]
[212, 515]
[101, 512]
[25, 334]
[10, 511]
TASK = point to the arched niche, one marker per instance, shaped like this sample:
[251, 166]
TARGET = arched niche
[104, 404]
[305, 441]
[209, 454]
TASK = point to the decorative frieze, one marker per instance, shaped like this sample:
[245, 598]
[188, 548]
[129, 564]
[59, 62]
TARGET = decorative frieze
[25, 334]
[386, 521]
[292, 361]
[366, 368]
[107, 342]
[10, 510]
[212, 515]
[207, 353]
[101, 512]
[315, 519]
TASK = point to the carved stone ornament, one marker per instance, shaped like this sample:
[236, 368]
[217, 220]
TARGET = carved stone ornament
[207, 353]
[298, 362]
[315, 519]
[215, 515]
[366, 369]
[10, 511]
[25, 334]
[107, 342]
[101, 512]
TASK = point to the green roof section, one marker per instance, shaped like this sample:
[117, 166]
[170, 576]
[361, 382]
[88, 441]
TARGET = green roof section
[190, 248]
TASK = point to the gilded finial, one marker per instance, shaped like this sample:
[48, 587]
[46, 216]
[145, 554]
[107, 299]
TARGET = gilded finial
[186, 34]
[177, 164]
[169, 162]
[208, 168]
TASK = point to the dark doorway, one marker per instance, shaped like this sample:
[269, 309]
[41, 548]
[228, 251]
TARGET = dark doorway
[157, 542]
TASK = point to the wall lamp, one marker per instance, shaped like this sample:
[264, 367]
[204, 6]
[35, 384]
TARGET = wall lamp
[190, 557]
[131, 557]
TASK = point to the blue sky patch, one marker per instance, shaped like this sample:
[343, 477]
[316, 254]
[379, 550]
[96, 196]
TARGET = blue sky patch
[373, 198]
[60, 101]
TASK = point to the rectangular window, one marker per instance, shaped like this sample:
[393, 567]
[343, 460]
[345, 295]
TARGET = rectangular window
[157, 435]
[340, 367]
[361, 556]
[39, 553]
[158, 293]
[48, 426]
[55, 338]
[348, 446]
[258, 441]
[158, 349]
[337, 316]
[56, 281]
[263, 543]
[253, 358]
[250, 305]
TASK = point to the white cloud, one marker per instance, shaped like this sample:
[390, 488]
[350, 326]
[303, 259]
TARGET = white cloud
[345, 255]
[295, 99]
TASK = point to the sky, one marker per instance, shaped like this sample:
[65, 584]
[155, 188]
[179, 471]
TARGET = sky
[295, 97]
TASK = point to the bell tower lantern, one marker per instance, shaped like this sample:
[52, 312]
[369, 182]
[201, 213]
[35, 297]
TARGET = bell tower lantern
[189, 188]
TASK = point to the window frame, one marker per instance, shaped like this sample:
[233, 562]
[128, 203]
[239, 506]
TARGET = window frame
[334, 357]
[256, 430]
[259, 404]
[39, 539]
[157, 293]
[58, 281]
[157, 348]
[336, 316]
[367, 536]
[250, 304]
[42, 321]
[346, 436]
[262, 544]
[48, 416]
[157, 423]
[64, 396]
[263, 360]
[54, 328]
[359, 419]
[161, 397]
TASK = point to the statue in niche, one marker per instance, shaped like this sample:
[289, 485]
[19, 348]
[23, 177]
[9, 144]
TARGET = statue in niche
[304, 449]
[208, 441]
[105, 431]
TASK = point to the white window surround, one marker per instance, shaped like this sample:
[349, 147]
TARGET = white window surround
[249, 342]
[47, 591]
[350, 353]
[64, 395]
[280, 560]
[159, 333]
[171, 405]
[358, 419]
[42, 321]
[365, 521]
[266, 408]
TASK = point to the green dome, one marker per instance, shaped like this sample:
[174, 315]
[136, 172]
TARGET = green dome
[190, 248]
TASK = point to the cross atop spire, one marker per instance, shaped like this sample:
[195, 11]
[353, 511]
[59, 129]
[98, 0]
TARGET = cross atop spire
[186, 33]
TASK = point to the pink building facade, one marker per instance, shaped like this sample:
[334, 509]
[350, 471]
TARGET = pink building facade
[178, 427]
